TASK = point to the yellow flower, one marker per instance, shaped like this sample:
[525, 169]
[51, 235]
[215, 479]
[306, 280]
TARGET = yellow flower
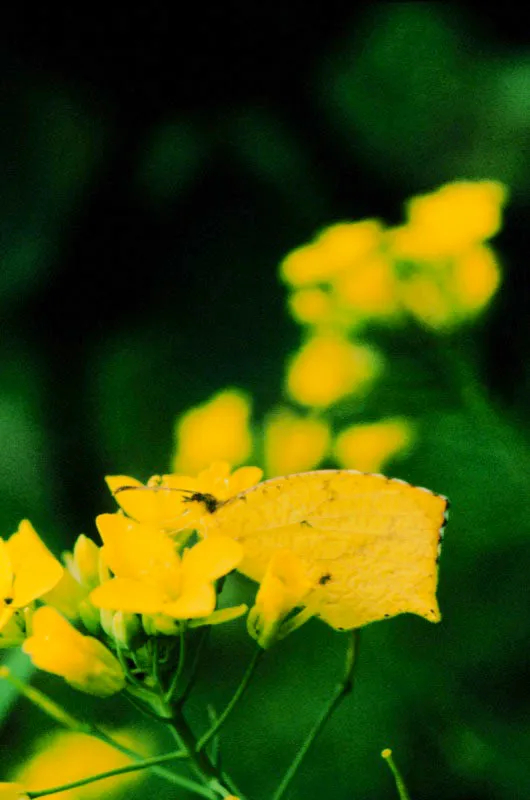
[443, 294]
[293, 443]
[84, 662]
[215, 431]
[329, 367]
[369, 446]
[64, 757]
[371, 290]
[13, 791]
[151, 578]
[450, 220]
[165, 500]
[476, 276]
[312, 306]
[27, 570]
[338, 248]
[285, 587]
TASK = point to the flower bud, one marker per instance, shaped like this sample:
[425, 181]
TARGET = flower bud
[126, 629]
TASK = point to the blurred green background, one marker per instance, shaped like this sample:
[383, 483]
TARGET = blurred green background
[155, 172]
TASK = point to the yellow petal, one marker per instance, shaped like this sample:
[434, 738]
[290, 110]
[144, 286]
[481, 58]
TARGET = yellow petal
[197, 601]
[36, 569]
[210, 559]
[243, 478]
[86, 561]
[6, 572]
[66, 596]
[57, 647]
[155, 504]
[133, 550]
[124, 594]
[6, 613]
[220, 615]
[12, 791]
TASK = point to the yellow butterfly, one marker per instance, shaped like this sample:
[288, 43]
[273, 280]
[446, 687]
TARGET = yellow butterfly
[369, 542]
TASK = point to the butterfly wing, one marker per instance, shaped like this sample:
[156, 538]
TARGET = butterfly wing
[368, 542]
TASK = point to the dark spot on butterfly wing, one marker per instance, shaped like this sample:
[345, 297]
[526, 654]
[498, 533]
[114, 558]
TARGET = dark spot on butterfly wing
[324, 579]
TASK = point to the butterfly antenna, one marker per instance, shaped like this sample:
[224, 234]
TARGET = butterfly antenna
[151, 489]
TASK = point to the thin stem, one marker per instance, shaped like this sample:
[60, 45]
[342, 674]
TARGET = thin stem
[180, 666]
[215, 750]
[162, 772]
[125, 666]
[53, 710]
[400, 784]
[342, 689]
[143, 764]
[45, 703]
[145, 709]
[194, 667]
[216, 780]
[221, 719]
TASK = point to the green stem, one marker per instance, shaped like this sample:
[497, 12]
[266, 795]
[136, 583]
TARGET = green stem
[45, 703]
[400, 784]
[221, 719]
[215, 749]
[143, 764]
[194, 667]
[343, 688]
[216, 780]
[180, 666]
[53, 710]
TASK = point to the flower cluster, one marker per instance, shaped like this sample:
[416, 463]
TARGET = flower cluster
[436, 267]
[112, 617]
[353, 284]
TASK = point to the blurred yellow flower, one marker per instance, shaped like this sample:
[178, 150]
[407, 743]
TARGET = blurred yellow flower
[64, 757]
[284, 588]
[84, 662]
[368, 447]
[312, 306]
[338, 248]
[476, 278]
[218, 430]
[165, 500]
[446, 293]
[12, 791]
[151, 578]
[293, 443]
[27, 570]
[328, 367]
[371, 290]
[450, 220]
